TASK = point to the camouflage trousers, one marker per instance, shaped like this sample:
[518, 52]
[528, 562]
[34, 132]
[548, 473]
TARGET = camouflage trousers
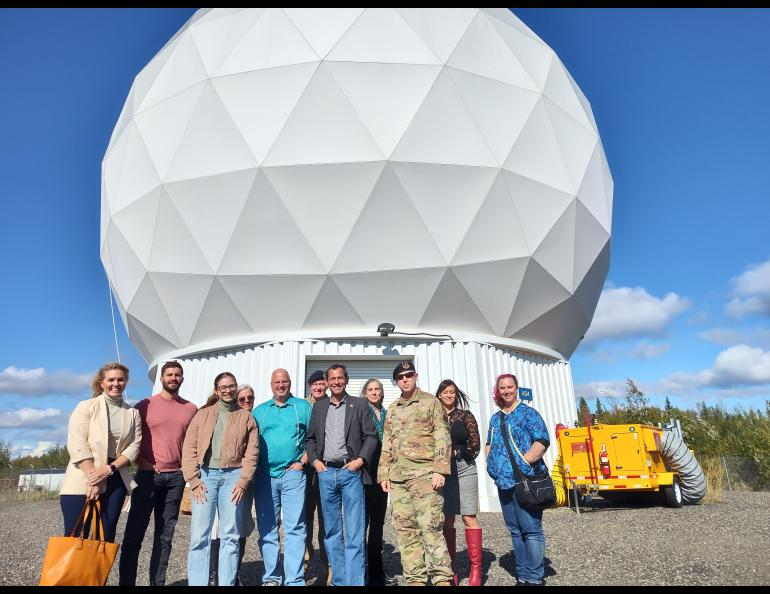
[418, 519]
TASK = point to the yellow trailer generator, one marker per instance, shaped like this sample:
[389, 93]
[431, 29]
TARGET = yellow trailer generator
[621, 462]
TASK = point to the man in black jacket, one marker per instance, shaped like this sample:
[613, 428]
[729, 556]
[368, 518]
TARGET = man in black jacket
[340, 443]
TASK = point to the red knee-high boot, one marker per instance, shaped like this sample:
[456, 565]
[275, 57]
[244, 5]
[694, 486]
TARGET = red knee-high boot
[450, 535]
[473, 540]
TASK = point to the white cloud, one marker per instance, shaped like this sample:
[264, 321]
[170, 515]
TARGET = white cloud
[751, 292]
[649, 350]
[732, 336]
[626, 312]
[606, 389]
[39, 382]
[32, 418]
[739, 365]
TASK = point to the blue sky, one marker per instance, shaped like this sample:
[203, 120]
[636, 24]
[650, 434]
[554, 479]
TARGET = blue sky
[680, 98]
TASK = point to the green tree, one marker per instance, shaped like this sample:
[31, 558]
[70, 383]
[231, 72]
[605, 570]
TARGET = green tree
[599, 410]
[5, 452]
[583, 411]
[668, 408]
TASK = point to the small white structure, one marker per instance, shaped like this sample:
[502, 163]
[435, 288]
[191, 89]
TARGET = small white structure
[281, 181]
[43, 479]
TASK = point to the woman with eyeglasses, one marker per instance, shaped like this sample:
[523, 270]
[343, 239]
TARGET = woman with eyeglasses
[461, 490]
[219, 458]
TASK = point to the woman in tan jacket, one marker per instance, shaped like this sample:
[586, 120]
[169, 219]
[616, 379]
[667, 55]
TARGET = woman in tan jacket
[103, 438]
[219, 457]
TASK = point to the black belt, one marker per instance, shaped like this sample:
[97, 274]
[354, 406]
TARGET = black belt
[335, 463]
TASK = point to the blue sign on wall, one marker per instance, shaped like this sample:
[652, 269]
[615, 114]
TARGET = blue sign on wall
[525, 394]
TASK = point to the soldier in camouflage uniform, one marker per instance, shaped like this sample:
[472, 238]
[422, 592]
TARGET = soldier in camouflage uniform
[416, 453]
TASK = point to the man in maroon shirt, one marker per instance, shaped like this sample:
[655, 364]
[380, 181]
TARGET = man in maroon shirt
[160, 484]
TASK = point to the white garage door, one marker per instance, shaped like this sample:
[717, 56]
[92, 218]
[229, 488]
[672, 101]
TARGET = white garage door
[360, 371]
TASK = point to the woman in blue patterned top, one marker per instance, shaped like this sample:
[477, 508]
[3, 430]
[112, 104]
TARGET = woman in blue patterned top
[528, 437]
[376, 498]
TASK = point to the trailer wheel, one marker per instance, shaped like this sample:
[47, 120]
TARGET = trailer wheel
[672, 494]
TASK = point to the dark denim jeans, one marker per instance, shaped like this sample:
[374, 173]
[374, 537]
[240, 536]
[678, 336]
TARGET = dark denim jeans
[111, 502]
[376, 504]
[526, 528]
[159, 493]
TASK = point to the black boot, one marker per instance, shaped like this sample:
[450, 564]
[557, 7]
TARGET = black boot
[214, 562]
[241, 551]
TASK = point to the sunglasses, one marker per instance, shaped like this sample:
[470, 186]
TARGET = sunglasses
[407, 375]
[246, 399]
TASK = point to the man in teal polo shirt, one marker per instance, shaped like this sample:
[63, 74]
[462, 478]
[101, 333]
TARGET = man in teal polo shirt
[280, 481]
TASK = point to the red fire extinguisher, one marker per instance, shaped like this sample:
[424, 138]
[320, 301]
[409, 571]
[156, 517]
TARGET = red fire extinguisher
[604, 462]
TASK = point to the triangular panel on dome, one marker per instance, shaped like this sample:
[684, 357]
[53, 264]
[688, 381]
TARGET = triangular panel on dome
[138, 175]
[561, 328]
[267, 239]
[205, 15]
[539, 293]
[149, 343]
[536, 154]
[325, 200]
[148, 307]
[146, 78]
[210, 207]
[323, 128]
[443, 131]
[112, 165]
[137, 224]
[452, 309]
[439, 28]
[482, 51]
[447, 197]
[530, 51]
[211, 144]
[400, 296]
[182, 70]
[389, 233]
[104, 212]
[590, 239]
[331, 310]
[122, 264]
[121, 308]
[495, 233]
[218, 34]
[261, 101]
[385, 96]
[588, 291]
[559, 89]
[382, 35]
[576, 142]
[126, 114]
[493, 286]
[163, 125]
[183, 296]
[273, 303]
[322, 28]
[583, 100]
[272, 41]
[538, 206]
[556, 253]
[219, 318]
[500, 110]
[174, 248]
[592, 192]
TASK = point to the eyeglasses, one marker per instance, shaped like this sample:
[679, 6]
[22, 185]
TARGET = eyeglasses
[246, 399]
[229, 388]
[407, 375]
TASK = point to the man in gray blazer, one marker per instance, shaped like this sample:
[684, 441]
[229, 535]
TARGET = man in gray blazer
[340, 443]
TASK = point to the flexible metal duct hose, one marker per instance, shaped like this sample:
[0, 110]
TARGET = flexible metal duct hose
[559, 481]
[680, 459]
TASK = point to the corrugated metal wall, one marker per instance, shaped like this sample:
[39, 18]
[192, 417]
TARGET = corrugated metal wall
[473, 366]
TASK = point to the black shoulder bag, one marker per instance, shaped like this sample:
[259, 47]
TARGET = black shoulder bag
[532, 492]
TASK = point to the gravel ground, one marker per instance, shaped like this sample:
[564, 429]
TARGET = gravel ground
[723, 543]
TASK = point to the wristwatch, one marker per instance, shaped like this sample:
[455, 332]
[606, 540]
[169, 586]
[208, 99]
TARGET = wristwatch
[113, 469]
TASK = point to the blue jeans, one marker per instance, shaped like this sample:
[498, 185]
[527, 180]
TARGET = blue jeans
[271, 495]
[342, 494]
[526, 528]
[219, 488]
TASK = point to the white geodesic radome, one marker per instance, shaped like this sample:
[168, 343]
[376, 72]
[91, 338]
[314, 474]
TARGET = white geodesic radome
[309, 171]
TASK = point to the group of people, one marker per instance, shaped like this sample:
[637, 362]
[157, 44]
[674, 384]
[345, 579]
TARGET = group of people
[331, 454]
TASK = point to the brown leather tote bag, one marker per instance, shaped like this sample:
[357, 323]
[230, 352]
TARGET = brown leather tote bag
[78, 561]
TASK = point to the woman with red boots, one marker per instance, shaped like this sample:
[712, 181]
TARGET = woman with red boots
[461, 490]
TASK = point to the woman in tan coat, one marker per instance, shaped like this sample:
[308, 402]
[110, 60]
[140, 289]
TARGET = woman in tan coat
[219, 458]
[103, 438]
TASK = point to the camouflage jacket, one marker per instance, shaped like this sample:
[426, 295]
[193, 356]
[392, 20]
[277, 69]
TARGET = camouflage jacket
[415, 440]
